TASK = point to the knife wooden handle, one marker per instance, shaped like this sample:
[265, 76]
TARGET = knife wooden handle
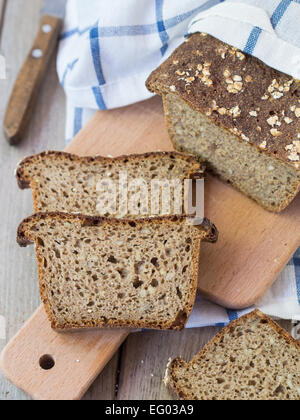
[26, 88]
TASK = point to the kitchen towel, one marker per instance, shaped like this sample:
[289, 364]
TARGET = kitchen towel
[108, 49]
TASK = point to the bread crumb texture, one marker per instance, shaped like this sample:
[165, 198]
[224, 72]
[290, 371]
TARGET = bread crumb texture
[270, 182]
[251, 359]
[97, 272]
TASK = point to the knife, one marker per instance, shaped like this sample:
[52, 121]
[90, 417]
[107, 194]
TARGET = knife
[26, 88]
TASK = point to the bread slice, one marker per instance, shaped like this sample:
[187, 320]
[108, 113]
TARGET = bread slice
[69, 183]
[241, 117]
[100, 272]
[251, 359]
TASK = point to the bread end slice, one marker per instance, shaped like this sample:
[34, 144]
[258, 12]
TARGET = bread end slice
[253, 358]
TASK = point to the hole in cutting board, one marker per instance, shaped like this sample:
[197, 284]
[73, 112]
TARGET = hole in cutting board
[47, 362]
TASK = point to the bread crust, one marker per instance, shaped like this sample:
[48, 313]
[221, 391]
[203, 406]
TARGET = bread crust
[170, 378]
[209, 232]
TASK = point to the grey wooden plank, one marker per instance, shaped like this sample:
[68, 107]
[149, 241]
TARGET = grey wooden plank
[2, 11]
[2, 7]
[19, 295]
[104, 387]
[145, 356]
[287, 325]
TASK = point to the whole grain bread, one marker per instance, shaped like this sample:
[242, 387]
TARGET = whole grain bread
[99, 272]
[237, 114]
[70, 184]
[251, 359]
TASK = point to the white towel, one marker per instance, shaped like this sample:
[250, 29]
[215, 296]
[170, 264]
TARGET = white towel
[108, 49]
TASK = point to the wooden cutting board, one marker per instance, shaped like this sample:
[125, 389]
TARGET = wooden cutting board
[253, 248]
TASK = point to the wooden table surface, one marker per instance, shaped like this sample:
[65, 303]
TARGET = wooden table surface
[137, 370]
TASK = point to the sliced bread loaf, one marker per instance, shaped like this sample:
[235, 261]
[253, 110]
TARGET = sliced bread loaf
[99, 272]
[70, 184]
[239, 115]
[251, 359]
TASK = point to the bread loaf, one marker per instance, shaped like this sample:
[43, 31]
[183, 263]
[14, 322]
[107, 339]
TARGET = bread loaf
[237, 114]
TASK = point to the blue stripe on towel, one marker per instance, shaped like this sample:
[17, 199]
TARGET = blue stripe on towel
[137, 30]
[78, 120]
[275, 19]
[74, 31]
[252, 41]
[95, 49]
[280, 11]
[68, 69]
[99, 98]
[296, 261]
[164, 37]
[232, 315]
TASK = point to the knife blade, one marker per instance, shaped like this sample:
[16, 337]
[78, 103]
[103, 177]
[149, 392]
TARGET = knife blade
[55, 8]
[25, 91]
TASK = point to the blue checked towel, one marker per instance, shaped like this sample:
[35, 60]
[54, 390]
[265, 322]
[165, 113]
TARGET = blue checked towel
[108, 49]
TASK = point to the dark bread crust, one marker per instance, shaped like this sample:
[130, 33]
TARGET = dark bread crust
[171, 378]
[208, 230]
[24, 180]
[200, 94]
